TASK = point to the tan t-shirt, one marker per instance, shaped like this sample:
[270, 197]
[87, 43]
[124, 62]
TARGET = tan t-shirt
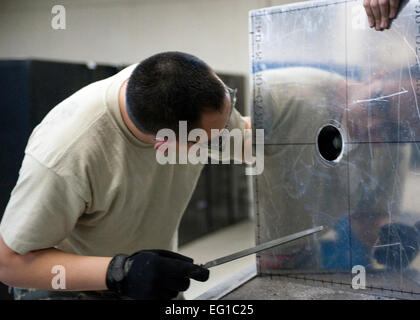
[90, 187]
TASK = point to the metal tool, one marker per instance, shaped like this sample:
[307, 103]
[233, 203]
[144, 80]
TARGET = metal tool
[261, 247]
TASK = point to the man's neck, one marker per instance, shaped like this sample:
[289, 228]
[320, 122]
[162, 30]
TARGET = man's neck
[130, 125]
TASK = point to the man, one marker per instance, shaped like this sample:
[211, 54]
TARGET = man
[90, 191]
[90, 187]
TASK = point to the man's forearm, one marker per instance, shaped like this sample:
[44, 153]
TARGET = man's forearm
[34, 270]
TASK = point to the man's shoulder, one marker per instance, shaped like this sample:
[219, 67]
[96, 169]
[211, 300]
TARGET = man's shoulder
[79, 125]
[68, 123]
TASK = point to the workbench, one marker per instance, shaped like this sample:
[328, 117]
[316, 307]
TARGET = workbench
[247, 285]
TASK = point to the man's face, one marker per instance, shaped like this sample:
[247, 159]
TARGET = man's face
[210, 120]
[215, 120]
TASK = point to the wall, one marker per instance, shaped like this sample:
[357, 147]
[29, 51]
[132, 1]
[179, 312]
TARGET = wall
[128, 31]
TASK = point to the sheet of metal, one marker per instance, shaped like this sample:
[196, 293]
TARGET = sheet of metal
[339, 105]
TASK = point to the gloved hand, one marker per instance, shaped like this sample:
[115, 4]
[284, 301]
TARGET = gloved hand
[406, 242]
[152, 274]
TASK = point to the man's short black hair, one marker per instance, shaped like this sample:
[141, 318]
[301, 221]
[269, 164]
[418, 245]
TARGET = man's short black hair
[170, 87]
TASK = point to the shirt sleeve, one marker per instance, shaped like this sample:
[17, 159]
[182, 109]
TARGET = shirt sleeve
[42, 211]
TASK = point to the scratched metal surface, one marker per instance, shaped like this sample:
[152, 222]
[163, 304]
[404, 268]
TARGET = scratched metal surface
[316, 65]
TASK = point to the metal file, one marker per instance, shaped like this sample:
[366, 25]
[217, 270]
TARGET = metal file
[261, 247]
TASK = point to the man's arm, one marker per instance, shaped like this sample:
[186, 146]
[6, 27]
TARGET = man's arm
[146, 274]
[42, 211]
[33, 269]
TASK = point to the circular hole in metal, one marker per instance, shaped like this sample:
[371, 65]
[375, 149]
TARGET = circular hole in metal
[330, 142]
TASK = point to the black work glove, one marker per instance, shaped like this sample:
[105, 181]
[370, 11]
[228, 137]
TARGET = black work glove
[398, 256]
[152, 274]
